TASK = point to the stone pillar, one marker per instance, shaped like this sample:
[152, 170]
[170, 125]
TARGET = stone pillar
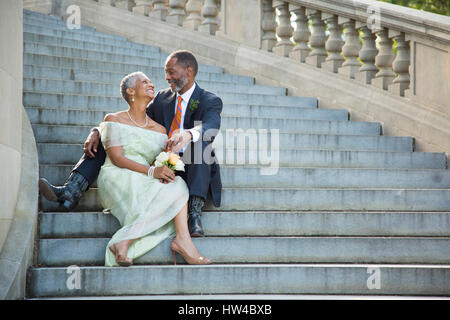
[125, 4]
[317, 39]
[367, 55]
[176, 12]
[209, 14]
[383, 61]
[143, 7]
[301, 34]
[350, 50]
[334, 44]
[194, 18]
[400, 65]
[159, 11]
[284, 29]
[268, 25]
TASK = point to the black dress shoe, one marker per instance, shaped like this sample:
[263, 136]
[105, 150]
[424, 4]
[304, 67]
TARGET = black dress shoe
[67, 195]
[194, 216]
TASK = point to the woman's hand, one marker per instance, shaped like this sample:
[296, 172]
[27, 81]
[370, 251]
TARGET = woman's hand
[164, 174]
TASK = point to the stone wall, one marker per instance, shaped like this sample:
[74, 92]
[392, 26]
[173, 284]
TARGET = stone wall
[19, 169]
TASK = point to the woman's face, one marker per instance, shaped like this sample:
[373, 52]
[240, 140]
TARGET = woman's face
[144, 88]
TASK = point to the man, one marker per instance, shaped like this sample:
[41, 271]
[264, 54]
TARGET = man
[178, 109]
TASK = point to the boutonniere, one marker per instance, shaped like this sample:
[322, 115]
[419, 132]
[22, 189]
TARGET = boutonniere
[193, 104]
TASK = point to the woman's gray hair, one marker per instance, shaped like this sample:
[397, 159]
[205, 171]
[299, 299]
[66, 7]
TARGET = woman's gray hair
[129, 81]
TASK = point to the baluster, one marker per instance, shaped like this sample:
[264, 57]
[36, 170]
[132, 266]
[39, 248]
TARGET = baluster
[268, 25]
[351, 49]
[176, 12]
[367, 55]
[143, 7]
[317, 39]
[209, 14]
[384, 61]
[301, 34]
[159, 11]
[400, 64]
[284, 29]
[334, 44]
[125, 4]
[194, 18]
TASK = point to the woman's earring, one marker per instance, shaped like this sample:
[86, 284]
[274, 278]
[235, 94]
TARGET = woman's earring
[132, 99]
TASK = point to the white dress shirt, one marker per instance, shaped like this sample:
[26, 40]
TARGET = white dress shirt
[184, 103]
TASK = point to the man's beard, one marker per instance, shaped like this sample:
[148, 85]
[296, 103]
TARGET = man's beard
[179, 84]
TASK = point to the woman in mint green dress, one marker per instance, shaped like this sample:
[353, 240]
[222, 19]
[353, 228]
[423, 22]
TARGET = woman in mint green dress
[150, 203]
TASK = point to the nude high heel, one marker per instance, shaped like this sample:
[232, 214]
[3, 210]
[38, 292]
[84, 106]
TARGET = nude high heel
[121, 262]
[190, 260]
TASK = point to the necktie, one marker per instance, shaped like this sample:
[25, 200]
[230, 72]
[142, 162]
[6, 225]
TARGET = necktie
[176, 122]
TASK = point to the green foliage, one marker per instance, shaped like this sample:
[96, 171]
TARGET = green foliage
[435, 6]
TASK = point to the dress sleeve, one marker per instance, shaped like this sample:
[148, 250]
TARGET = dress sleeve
[111, 135]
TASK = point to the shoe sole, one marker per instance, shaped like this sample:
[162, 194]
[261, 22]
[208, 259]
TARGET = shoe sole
[197, 235]
[45, 190]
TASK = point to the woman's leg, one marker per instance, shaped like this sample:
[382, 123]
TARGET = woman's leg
[183, 242]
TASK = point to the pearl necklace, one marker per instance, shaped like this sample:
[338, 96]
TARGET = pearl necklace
[145, 124]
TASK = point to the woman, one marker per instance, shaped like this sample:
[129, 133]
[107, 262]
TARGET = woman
[150, 204]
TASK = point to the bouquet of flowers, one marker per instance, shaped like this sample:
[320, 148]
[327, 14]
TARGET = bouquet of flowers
[170, 160]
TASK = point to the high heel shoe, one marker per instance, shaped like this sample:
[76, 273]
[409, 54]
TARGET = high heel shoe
[121, 262]
[190, 260]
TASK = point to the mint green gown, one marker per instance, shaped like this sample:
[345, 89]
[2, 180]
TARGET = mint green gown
[144, 206]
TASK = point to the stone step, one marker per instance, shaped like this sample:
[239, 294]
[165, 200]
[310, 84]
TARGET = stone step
[35, 71]
[78, 133]
[59, 24]
[37, 15]
[89, 54]
[93, 118]
[266, 223]
[320, 199]
[249, 176]
[126, 66]
[58, 153]
[70, 154]
[99, 102]
[123, 48]
[241, 279]
[66, 32]
[91, 251]
[100, 87]
[30, 33]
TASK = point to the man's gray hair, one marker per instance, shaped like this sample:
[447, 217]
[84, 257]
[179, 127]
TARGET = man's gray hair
[129, 81]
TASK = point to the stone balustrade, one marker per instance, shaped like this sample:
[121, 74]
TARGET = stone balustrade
[371, 42]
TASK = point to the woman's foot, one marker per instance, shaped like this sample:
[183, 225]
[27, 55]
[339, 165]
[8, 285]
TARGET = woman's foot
[187, 249]
[120, 253]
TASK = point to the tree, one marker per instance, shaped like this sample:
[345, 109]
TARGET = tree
[435, 6]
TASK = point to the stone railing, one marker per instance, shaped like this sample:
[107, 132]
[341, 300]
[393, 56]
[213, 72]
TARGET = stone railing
[397, 49]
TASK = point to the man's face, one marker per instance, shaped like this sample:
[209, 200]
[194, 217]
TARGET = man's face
[176, 75]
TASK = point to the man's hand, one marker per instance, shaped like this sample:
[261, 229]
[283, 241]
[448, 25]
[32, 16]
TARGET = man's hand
[91, 144]
[164, 173]
[178, 141]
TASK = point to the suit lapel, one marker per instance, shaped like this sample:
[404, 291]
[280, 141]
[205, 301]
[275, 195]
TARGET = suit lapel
[195, 96]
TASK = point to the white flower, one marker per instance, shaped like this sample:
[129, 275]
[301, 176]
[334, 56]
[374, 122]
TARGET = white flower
[162, 157]
[158, 164]
[179, 166]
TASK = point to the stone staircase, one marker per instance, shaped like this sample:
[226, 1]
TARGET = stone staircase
[349, 212]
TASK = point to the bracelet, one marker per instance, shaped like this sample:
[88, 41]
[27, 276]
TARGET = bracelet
[150, 171]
